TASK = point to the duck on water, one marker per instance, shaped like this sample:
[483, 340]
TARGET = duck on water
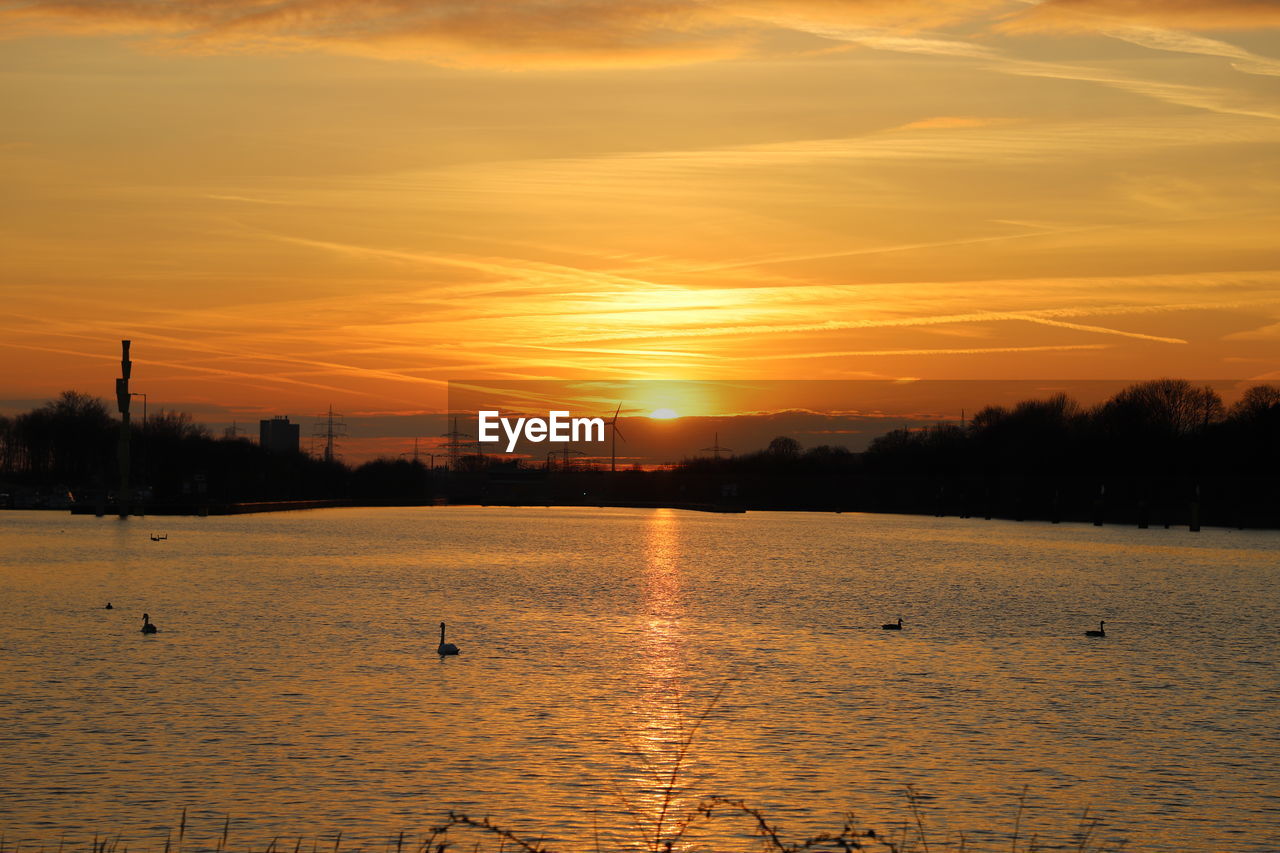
[893, 626]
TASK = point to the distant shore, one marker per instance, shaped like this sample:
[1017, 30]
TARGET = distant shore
[214, 508]
[257, 507]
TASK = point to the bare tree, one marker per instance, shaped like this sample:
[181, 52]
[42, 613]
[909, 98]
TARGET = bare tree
[1258, 402]
[784, 447]
[1172, 405]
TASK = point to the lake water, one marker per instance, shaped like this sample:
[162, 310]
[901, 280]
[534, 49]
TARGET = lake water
[294, 684]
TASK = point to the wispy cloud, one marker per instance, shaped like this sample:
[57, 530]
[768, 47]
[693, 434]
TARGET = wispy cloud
[1270, 332]
[521, 34]
[1093, 15]
[576, 33]
[1213, 99]
[684, 330]
[466, 33]
[1180, 42]
[952, 123]
[1184, 94]
[937, 351]
[553, 33]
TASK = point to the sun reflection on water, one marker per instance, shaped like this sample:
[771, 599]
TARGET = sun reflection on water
[657, 792]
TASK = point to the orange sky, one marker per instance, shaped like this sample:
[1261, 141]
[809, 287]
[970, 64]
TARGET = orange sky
[304, 203]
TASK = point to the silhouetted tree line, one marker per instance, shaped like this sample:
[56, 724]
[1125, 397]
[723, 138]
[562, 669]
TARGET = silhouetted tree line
[68, 447]
[392, 482]
[1154, 453]
[64, 440]
[1157, 452]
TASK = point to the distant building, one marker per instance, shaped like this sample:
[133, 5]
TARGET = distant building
[278, 434]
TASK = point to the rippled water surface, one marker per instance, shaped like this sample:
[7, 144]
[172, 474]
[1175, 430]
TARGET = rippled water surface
[294, 683]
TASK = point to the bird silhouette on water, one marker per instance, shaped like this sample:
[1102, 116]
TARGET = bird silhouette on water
[893, 626]
[1101, 632]
[445, 648]
[108, 607]
[147, 627]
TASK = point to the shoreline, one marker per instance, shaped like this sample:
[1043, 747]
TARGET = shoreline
[262, 507]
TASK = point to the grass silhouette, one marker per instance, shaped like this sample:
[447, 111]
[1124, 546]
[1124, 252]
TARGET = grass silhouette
[667, 829]
[460, 832]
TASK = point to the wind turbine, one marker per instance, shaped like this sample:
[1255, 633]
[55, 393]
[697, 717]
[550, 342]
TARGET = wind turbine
[615, 435]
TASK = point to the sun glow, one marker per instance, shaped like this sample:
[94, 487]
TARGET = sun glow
[697, 238]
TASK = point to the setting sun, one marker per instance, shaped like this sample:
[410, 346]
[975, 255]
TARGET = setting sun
[663, 415]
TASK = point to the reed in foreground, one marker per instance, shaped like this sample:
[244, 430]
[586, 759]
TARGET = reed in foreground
[666, 828]
[460, 832]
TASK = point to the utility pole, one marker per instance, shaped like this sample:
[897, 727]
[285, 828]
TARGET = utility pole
[455, 445]
[715, 449]
[564, 452]
[122, 449]
[332, 427]
[416, 456]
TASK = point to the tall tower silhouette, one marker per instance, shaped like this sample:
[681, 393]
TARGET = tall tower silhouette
[455, 445]
[122, 451]
[330, 427]
[715, 449]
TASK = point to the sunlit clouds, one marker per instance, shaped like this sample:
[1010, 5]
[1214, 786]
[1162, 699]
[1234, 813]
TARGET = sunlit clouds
[288, 205]
[1089, 15]
[586, 33]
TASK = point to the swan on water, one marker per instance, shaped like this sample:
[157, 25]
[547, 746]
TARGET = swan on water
[446, 648]
[893, 626]
[1101, 632]
[147, 627]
